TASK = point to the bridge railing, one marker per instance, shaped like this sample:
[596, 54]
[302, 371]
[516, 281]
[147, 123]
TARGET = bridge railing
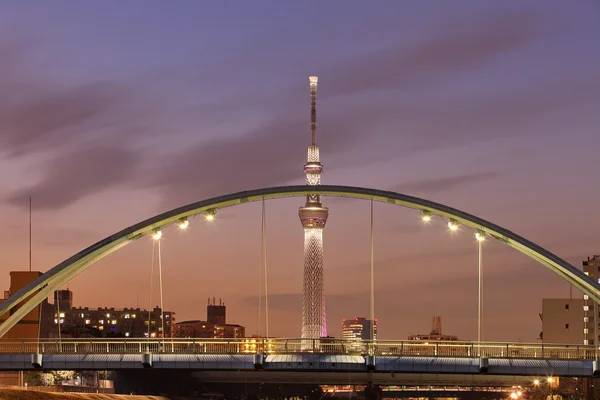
[298, 346]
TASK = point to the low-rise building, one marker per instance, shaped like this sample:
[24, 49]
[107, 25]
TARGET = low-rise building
[215, 325]
[109, 322]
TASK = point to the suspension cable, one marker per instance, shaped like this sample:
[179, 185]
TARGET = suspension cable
[58, 313]
[480, 296]
[264, 257]
[260, 272]
[372, 279]
[160, 284]
[151, 287]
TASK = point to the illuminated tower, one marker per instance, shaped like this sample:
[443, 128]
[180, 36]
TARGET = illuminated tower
[313, 217]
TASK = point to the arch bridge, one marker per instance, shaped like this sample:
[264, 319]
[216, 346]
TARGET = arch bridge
[26, 299]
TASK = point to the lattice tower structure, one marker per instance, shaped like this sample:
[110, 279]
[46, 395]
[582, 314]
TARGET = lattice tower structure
[313, 217]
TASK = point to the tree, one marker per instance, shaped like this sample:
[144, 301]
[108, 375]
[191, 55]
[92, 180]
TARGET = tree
[61, 376]
[39, 379]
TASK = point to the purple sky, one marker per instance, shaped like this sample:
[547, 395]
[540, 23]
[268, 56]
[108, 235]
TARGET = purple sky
[114, 111]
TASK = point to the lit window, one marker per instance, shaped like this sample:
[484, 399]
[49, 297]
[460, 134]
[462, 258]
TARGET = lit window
[586, 308]
[585, 330]
[62, 314]
[107, 315]
[153, 334]
[132, 315]
[585, 319]
[126, 334]
[585, 341]
[87, 321]
[585, 297]
[101, 321]
[145, 334]
[101, 328]
[114, 321]
[55, 321]
[127, 316]
[82, 315]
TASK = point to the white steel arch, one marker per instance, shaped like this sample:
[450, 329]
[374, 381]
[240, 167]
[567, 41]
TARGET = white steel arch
[42, 287]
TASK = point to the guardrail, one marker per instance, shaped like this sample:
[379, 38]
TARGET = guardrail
[298, 346]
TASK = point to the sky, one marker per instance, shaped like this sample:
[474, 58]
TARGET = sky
[112, 112]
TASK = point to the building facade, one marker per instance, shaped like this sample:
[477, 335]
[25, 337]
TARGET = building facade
[37, 323]
[358, 329]
[108, 322]
[563, 321]
[215, 325]
[572, 320]
[216, 313]
[205, 329]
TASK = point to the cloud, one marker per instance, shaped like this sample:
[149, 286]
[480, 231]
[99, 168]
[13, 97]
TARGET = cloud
[85, 129]
[451, 48]
[427, 186]
[72, 176]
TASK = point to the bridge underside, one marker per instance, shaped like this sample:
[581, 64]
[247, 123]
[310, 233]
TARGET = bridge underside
[299, 367]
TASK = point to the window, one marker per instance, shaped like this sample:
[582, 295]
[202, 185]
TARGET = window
[87, 321]
[566, 306]
[566, 326]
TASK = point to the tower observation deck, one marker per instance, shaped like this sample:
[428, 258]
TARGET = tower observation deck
[313, 217]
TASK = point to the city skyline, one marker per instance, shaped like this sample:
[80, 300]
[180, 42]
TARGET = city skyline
[489, 108]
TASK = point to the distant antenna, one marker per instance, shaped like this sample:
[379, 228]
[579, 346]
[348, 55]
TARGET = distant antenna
[29, 233]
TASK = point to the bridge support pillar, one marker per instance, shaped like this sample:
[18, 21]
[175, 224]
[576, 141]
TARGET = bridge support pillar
[36, 360]
[258, 361]
[147, 360]
[370, 360]
[596, 368]
[484, 365]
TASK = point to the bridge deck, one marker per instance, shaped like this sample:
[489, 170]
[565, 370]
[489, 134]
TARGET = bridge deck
[301, 355]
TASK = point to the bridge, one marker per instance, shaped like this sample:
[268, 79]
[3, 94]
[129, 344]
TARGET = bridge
[293, 356]
[302, 355]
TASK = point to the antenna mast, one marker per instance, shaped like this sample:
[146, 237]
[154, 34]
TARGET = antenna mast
[29, 233]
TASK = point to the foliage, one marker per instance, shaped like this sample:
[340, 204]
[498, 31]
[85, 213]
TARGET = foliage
[39, 379]
[49, 378]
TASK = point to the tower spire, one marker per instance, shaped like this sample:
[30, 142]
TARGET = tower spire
[313, 108]
[313, 217]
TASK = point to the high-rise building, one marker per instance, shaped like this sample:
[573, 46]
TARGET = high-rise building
[313, 217]
[591, 267]
[358, 329]
[563, 321]
[35, 323]
[435, 334]
[572, 321]
[216, 313]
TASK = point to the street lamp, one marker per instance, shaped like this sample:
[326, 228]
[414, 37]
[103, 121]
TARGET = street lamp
[183, 223]
[210, 214]
[453, 225]
[157, 234]
[426, 215]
